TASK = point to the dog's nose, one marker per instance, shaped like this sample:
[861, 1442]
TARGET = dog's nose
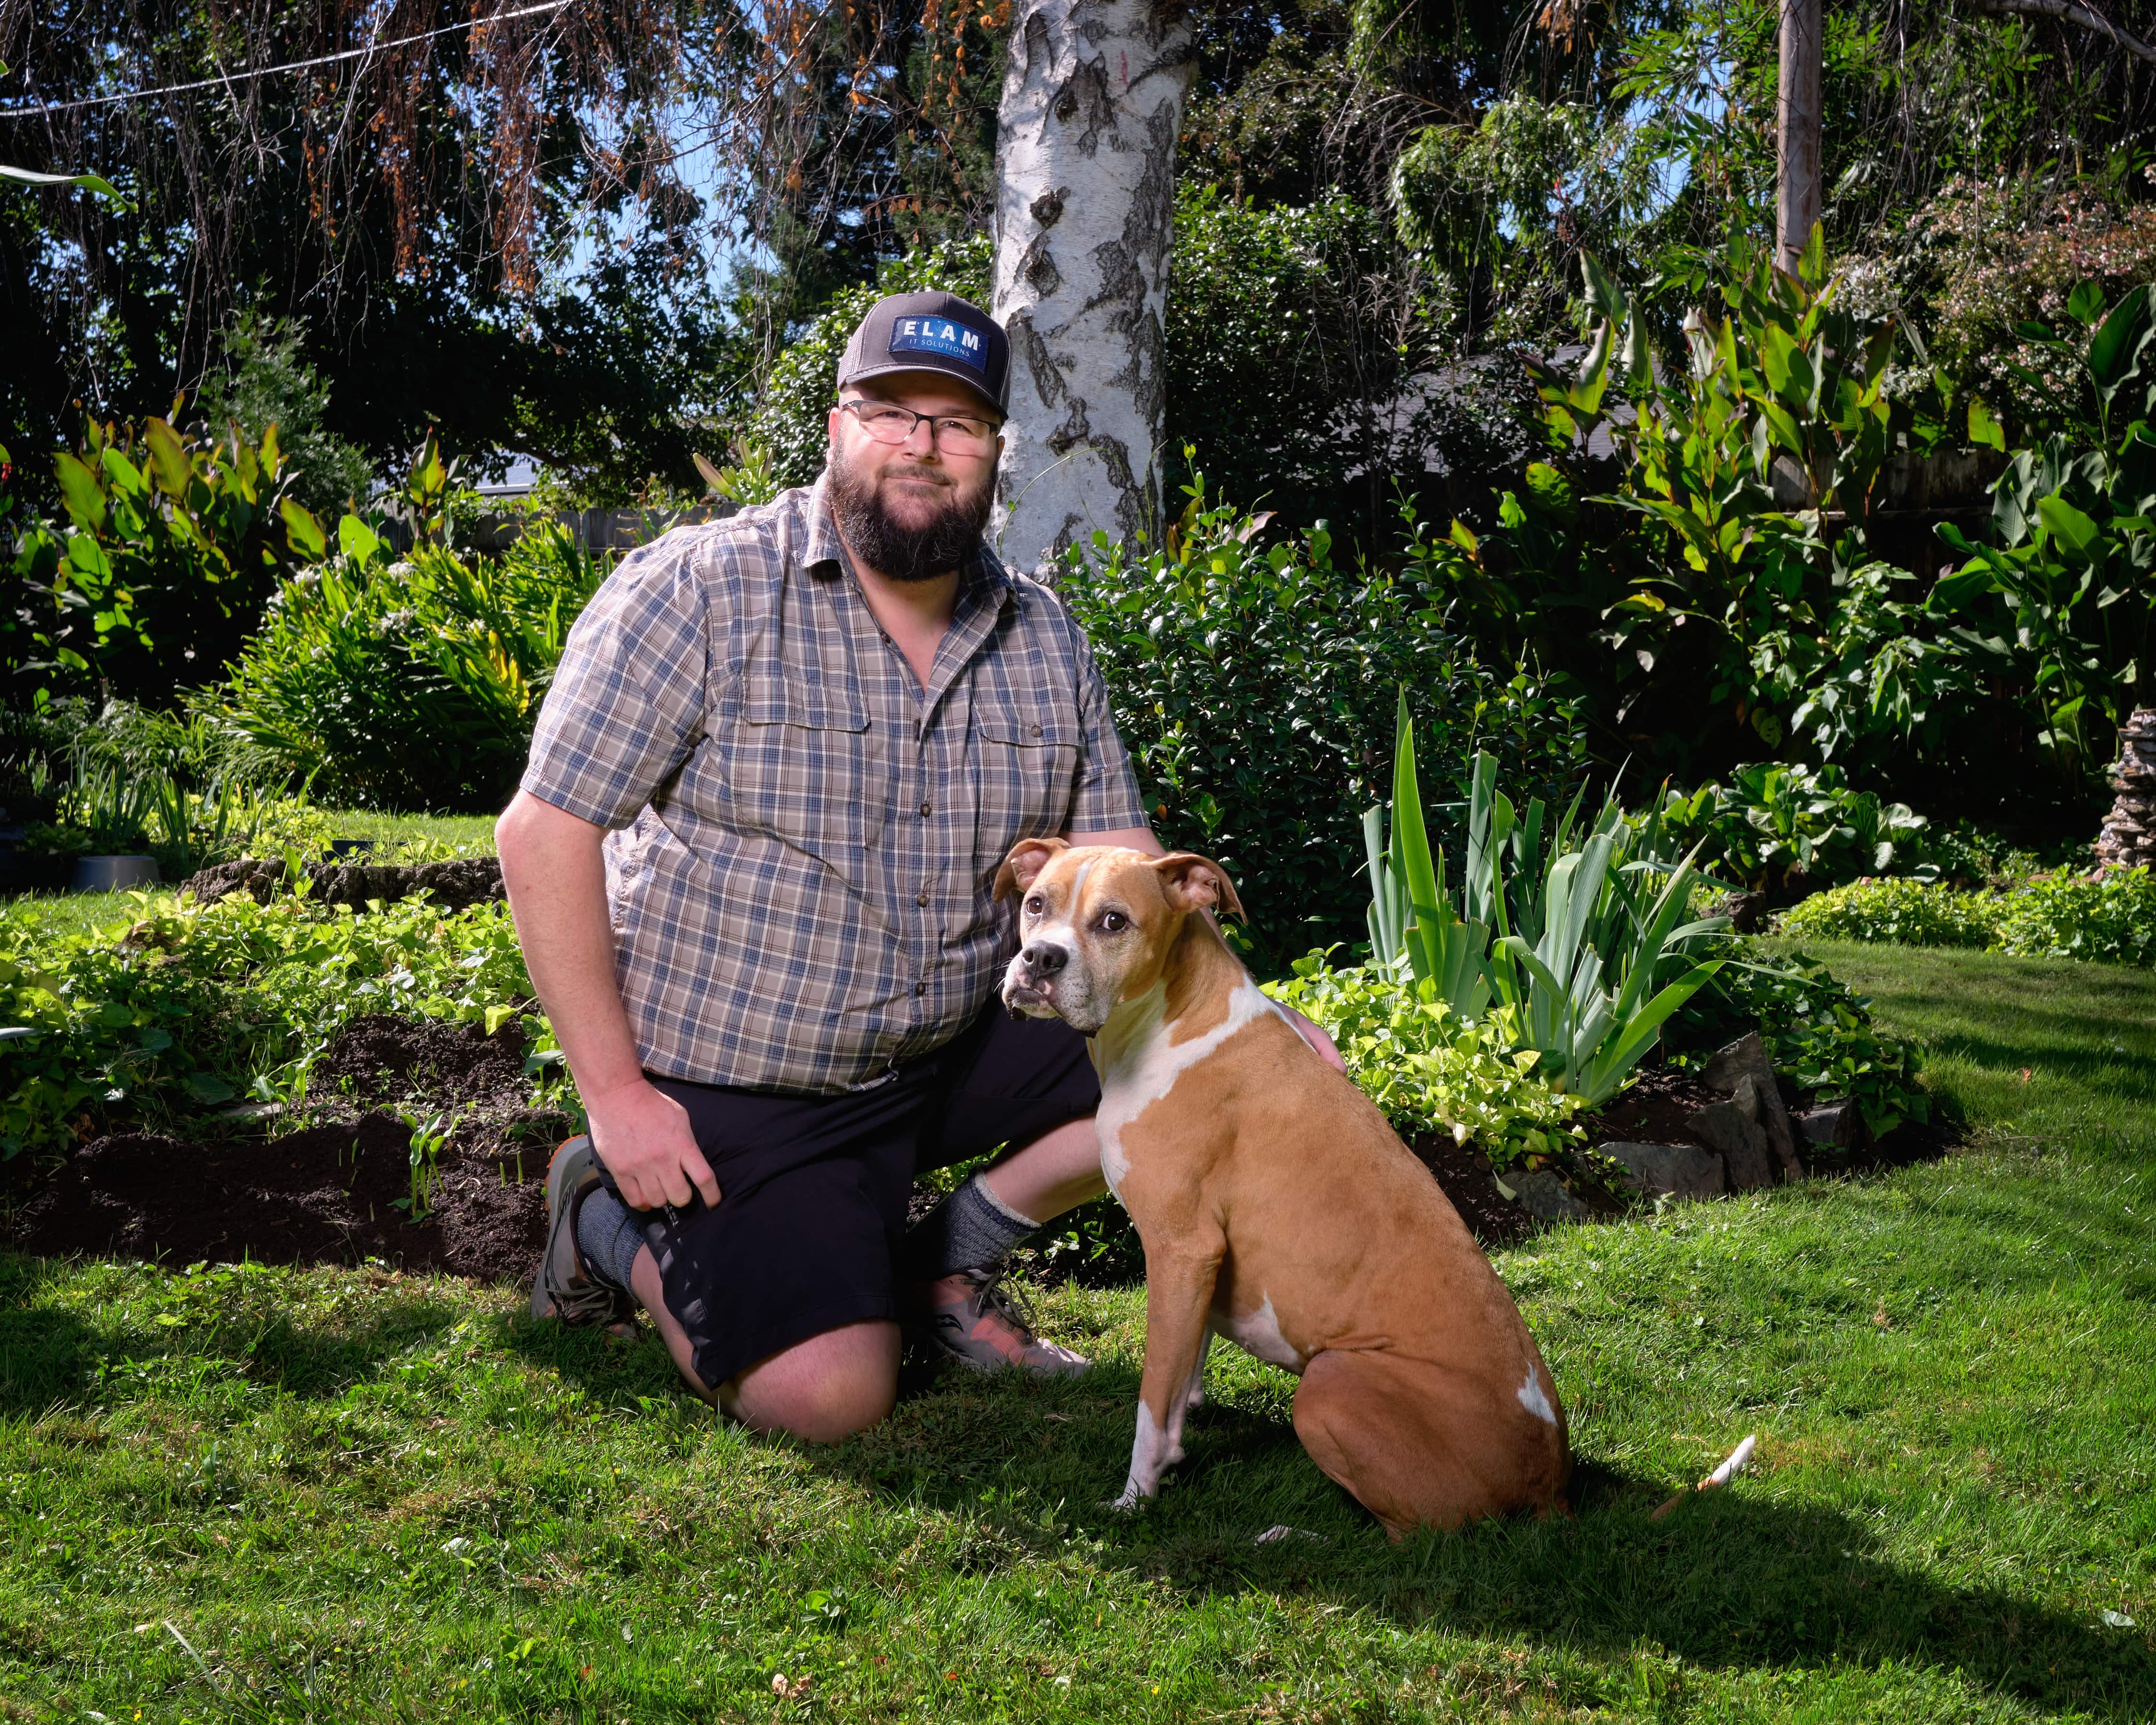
[1044, 960]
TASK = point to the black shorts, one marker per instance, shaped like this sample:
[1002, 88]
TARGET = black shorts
[813, 1190]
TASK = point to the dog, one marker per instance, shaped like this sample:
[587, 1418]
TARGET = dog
[1277, 1207]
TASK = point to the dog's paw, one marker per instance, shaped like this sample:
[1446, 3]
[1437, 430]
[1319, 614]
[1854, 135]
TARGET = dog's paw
[1131, 1503]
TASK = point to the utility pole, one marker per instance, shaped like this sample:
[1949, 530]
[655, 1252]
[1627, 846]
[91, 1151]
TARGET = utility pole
[1797, 132]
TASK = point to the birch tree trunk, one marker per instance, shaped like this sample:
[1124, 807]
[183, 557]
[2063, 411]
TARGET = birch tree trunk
[1797, 115]
[1092, 102]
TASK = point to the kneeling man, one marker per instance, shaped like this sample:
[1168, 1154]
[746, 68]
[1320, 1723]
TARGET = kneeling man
[751, 865]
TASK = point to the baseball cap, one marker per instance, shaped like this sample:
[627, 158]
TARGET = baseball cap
[930, 332]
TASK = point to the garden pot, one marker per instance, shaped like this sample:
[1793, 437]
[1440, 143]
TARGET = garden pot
[114, 874]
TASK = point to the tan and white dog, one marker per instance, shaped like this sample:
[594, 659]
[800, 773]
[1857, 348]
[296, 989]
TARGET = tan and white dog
[1277, 1207]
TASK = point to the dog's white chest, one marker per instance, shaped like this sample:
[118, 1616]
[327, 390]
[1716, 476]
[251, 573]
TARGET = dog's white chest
[1145, 1065]
[1259, 1333]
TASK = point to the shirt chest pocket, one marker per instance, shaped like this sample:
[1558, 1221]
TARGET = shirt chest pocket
[805, 764]
[1025, 768]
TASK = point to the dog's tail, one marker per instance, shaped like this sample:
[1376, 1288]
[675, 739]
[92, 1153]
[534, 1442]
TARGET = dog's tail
[1732, 1465]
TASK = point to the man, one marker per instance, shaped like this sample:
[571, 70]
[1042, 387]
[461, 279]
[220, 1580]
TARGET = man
[777, 768]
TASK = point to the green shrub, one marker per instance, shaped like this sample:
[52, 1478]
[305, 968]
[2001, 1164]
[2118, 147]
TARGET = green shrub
[1426, 1070]
[1772, 824]
[171, 545]
[1905, 912]
[126, 1023]
[409, 685]
[1258, 689]
[2109, 919]
[1817, 1031]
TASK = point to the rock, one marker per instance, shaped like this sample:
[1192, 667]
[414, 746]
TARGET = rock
[1540, 1193]
[454, 885]
[1744, 1059]
[1669, 1170]
[1729, 1128]
[1746, 912]
[1839, 1124]
[2129, 839]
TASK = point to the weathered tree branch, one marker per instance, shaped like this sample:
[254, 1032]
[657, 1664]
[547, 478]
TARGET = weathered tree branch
[2067, 12]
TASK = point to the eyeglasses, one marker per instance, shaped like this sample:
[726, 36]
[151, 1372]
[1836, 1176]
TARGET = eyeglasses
[955, 433]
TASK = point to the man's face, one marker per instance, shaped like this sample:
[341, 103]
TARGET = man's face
[912, 509]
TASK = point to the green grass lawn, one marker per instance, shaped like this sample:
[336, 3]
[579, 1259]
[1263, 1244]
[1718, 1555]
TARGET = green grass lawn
[69, 912]
[320, 1495]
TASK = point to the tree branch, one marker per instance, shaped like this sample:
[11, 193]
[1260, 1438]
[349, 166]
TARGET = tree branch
[2067, 12]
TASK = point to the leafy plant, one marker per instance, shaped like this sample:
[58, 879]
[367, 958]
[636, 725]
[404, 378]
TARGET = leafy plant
[1427, 1069]
[1904, 912]
[411, 684]
[2109, 919]
[429, 1138]
[2062, 605]
[171, 544]
[121, 1023]
[1257, 689]
[1771, 824]
[1570, 946]
[1815, 1030]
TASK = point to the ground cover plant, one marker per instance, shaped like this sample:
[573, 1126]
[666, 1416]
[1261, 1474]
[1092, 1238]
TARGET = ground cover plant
[2107, 919]
[278, 1493]
[130, 1024]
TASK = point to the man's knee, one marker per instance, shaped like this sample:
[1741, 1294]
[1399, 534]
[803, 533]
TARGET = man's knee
[825, 1388]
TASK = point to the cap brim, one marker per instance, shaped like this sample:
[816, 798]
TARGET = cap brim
[892, 369]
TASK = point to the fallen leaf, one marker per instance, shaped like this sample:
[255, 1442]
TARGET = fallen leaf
[1879, 1318]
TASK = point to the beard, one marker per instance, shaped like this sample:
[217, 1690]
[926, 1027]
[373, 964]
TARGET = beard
[938, 545]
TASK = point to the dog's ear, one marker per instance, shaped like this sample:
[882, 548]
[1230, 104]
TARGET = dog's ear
[1192, 882]
[1023, 865]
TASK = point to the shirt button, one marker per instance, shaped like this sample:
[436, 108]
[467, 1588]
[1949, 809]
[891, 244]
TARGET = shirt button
[1033, 731]
[921, 987]
[926, 811]
[921, 899]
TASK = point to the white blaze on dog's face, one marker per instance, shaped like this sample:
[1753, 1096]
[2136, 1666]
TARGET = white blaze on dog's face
[1097, 923]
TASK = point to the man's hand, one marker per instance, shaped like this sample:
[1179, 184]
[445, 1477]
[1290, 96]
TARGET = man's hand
[643, 1136]
[1311, 1033]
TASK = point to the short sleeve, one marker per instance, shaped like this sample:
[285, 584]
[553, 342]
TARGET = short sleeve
[627, 702]
[1106, 799]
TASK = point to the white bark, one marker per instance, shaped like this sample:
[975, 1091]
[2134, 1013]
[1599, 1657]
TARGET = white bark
[1092, 101]
[1797, 118]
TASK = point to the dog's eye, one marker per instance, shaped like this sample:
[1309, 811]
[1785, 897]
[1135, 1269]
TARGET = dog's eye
[1034, 906]
[1114, 922]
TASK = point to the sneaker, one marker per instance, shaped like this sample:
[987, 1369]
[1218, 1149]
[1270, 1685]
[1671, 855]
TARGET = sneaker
[974, 1318]
[562, 1289]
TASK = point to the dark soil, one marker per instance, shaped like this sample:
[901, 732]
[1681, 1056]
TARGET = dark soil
[454, 885]
[327, 1194]
[1464, 1174]
[1654, 1110]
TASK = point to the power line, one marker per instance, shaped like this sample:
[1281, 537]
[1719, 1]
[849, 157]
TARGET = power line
[37, 109]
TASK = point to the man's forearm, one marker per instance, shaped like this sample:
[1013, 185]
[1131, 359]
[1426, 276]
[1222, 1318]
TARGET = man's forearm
[552, 866]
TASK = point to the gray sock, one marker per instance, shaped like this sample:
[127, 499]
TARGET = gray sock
[971, 1230]
[608, 1237]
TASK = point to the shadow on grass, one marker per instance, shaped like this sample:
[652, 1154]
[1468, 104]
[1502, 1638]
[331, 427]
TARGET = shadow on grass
[1727, 1581]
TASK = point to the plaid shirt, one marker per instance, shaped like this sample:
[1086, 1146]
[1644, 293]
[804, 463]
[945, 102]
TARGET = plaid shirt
[800, 898]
